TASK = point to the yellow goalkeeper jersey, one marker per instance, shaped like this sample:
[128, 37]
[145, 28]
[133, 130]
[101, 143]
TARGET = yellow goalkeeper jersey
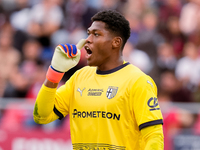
[107, 109]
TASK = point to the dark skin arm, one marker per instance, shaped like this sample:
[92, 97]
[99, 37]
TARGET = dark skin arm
[50, 84]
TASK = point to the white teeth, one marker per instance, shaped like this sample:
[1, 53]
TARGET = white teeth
[88, 50]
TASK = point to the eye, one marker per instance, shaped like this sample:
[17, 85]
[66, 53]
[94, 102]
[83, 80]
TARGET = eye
[96, 34]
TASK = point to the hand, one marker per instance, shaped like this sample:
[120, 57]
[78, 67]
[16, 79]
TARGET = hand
[66, 56]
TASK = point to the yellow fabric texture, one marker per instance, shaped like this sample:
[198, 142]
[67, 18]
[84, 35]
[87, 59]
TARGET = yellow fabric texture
[43, 110]
[106, 110]
[153, 138]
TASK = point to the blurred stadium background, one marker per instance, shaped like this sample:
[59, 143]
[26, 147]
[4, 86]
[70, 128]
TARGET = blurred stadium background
[164, 43]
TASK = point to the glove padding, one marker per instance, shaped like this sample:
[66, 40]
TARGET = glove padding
[66, 56]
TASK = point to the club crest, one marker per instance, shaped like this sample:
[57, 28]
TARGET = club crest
[111, 92]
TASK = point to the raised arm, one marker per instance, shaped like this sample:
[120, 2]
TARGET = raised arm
[65, 57]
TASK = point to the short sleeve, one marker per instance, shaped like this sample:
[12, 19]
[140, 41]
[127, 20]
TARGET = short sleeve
[145, 103]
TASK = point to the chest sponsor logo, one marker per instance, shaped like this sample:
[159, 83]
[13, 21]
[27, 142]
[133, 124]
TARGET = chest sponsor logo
[95, 114]
[95, 92]
[111, 92]
[153, 103]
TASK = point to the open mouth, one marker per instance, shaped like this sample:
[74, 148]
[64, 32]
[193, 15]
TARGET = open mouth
[89, 52]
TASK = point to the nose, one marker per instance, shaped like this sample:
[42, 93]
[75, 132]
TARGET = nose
[89, 39]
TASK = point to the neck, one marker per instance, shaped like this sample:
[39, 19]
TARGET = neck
[111, 65]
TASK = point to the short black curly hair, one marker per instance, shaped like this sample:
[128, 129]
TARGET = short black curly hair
[115, 22]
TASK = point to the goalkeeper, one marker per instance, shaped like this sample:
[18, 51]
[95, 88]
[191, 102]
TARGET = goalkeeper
[111, 103]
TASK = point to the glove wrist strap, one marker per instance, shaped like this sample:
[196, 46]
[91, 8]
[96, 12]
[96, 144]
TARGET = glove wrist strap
[53, 75]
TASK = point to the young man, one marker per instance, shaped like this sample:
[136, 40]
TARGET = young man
[111, 103]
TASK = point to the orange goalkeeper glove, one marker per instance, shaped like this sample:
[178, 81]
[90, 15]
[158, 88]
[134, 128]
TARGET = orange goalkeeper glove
[64, 58]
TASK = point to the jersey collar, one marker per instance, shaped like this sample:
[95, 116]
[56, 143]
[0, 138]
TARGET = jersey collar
[112, 70]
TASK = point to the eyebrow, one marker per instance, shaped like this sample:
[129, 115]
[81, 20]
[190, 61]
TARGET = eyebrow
[93, 30]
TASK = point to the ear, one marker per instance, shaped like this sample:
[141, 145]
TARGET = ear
[117, 42]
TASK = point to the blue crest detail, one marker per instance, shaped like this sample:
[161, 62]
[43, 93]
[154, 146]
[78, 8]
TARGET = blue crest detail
[111, 92]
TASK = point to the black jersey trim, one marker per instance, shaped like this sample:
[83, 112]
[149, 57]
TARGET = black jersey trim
[155, 122]
[60, 115]
[112, 70]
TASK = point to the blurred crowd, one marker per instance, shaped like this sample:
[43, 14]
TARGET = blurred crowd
[164, 42]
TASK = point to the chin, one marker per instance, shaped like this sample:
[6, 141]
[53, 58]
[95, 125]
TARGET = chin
[91, 64]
